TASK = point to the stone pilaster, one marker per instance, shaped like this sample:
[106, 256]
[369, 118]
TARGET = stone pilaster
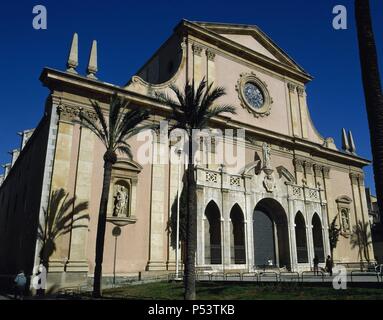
[210, 66]
[61, 176]
[364, 209]
[201, 221]
[176, 170]
[157, 212]
[325, 234]
[299, 170]
[354, 177]
[303, 111]
[357, 204]
[62, 159]
[310, 241]
[226, 226]
[331, 209]
[198, 62]
[309, 174]
[77, 257]
[248, 217]
[294, 107]
[292, 238]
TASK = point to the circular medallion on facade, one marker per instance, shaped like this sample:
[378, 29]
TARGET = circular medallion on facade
[254, 95]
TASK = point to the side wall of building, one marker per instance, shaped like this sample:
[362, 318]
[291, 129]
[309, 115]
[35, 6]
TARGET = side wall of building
[20, 197]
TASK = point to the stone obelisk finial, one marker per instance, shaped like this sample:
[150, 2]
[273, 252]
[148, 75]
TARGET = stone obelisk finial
[351, 142]
[92, 65]
[73, 55]
[345, 144]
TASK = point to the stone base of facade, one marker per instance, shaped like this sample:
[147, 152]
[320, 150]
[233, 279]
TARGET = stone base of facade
[57, 280]
[171, 265]
[77, 266]
[156, 266]
[56, 266]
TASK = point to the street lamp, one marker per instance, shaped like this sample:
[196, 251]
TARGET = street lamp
[179, 152]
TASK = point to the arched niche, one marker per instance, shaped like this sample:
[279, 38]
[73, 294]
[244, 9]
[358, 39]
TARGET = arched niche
[318, 238]
[213, 242]
[300, 238]
[122, 192]
[270, 233]
[237, 239]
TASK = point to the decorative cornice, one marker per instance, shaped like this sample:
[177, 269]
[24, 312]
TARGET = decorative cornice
[70, 113]
[288, 67]
[55, 79]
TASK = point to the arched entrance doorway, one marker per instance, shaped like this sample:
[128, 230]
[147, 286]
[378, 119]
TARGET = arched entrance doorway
[318, 238]
[237, 240]
[300, 238]
[270, 231]
[213, 252]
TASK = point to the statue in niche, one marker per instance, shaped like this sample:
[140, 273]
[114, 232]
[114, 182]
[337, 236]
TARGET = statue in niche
[268, 181]
[266, 156]
[121, 199]
[345, 221]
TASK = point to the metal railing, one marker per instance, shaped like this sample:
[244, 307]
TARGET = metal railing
[250, 275]
[312, 274]
[289, 277]
[355, 275]
[231, 275]
[268, 276]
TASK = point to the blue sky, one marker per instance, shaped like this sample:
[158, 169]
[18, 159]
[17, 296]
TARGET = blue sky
[128, 32]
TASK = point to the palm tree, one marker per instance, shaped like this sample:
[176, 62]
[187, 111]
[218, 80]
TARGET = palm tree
[62, 213]
[122, 124]
[192, 109]
[372, 90]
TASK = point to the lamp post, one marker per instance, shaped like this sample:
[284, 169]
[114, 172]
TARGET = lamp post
[178, 151]
[116, 232]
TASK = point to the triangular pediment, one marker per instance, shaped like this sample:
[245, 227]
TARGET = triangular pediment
[252, 38]
[250, 42]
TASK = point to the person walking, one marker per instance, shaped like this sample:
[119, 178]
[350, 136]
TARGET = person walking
[329, 265]
[20, 282]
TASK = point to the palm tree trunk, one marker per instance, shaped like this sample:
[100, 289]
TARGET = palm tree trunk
[191, 228]
[101, 225]
[372, 90]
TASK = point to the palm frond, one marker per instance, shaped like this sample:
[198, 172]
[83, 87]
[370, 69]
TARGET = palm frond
[180, 95]
[199, 93]
[218, 110]
[90, 124]
[131, 120]
[126, 150]
[100, 116]
[166, 99]
[211, 95]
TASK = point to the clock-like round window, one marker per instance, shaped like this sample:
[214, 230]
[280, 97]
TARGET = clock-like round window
[253, 95]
